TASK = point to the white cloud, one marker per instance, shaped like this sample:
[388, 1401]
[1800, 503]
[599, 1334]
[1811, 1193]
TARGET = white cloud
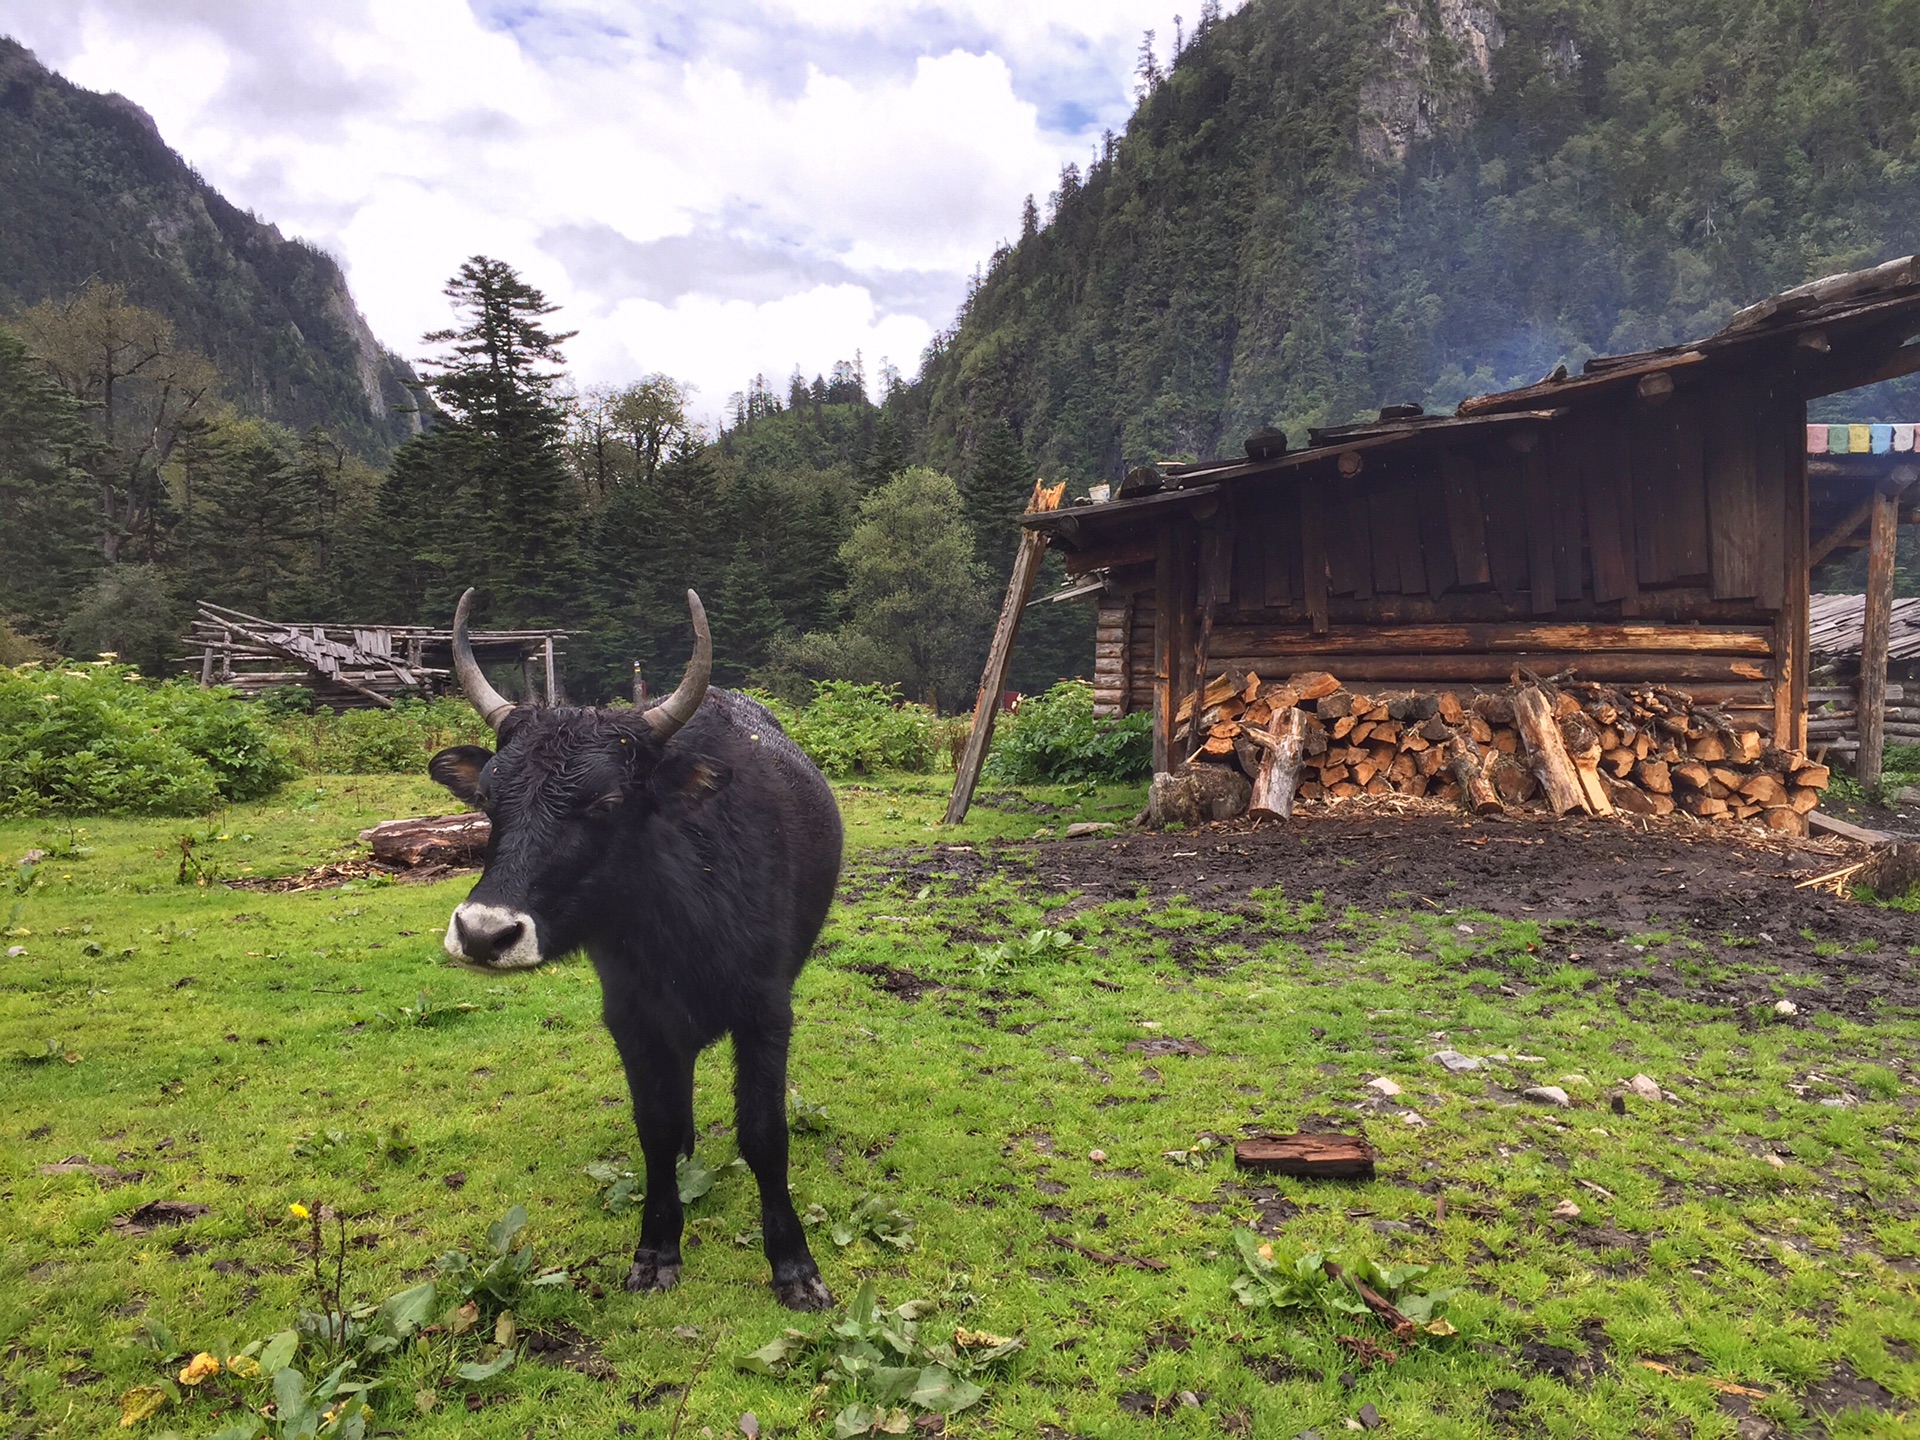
[859, 157]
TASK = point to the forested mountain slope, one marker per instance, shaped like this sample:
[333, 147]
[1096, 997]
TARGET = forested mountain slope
[1327, 205]
[89, 190]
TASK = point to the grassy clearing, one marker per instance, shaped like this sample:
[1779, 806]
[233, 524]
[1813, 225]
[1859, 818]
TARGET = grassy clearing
[247, 1051]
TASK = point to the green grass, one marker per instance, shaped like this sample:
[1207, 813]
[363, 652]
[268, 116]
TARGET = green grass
[252, 1050]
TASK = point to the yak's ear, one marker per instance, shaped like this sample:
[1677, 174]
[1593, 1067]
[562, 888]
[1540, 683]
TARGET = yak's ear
[687, 780]
[458, 768]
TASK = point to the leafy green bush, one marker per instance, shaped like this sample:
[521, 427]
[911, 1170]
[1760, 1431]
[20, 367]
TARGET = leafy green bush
[854, 729]
[1055, 739]
[96, 739]
[399, 741]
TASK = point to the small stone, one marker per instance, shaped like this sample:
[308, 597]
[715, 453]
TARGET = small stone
[1775, 1161]
[1369, 1417]
[1645, 1086]
[1576, 1078]
[1546, 1095]
[1189, 1399]
[686, 1332]
[1412, 1117]
[1566, 1210]
[1383, 1086]
[33, 857]
[1457, 1062]
[1785, 1009]
[1619, 1104]
[1089, 827]
[750, 1425]
[1464, 929]
[1098, 1157]
[1836, 1102]
[1531, 1059]
[14, 952]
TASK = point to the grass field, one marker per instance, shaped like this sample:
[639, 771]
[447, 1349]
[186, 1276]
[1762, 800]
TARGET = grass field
[248, 1052]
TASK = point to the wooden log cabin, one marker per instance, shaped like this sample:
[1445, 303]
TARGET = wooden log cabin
[1647, 519]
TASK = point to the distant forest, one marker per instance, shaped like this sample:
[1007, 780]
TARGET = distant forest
[130, 486]
[1318, 207]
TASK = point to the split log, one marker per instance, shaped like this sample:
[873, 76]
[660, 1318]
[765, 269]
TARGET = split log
[1533, 713]
[1469, 765]
[430, 840]
[1279, 775]
[1312, 1157]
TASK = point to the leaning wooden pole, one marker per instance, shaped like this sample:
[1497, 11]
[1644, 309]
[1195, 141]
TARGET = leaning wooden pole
[1026, 567]
[1874, 632]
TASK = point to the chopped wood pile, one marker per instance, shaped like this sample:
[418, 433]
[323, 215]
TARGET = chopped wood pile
[1567, 744]
[1833, 719]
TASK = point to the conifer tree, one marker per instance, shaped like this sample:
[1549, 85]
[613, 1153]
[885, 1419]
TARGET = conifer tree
[995, 492]
[495, 381]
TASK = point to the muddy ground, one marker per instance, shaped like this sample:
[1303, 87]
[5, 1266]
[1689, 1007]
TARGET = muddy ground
[1735, 892]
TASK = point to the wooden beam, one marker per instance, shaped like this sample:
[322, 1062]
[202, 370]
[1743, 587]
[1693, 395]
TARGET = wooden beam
[1897, 481]
[553, 688]
[1026, 568]
[1876, 626]
[1791, 642]
[1904, 360]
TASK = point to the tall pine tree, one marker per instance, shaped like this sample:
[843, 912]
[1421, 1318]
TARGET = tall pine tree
[495, 382]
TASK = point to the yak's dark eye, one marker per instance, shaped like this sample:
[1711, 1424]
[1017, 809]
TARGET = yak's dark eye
[604, 806]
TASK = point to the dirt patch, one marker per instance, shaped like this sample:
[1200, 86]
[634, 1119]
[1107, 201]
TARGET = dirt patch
[896, 980]
[1606, 882]
[157, 1213]
[1167, 1045]
[1845, 1390]
[331, 877]
[570, 1349]
[107, 1175]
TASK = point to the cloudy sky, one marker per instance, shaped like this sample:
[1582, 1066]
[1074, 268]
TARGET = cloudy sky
[710, 189]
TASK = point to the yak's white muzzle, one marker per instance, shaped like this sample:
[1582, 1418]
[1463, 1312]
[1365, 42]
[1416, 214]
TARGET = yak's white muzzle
[493, 937]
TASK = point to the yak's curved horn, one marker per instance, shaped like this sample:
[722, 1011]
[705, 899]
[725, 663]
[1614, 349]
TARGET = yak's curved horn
[674, 711]
[492, 705]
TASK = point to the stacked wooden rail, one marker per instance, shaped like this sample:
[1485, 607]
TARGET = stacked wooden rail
[1833, 719]
[1571, 745]
[348, 665]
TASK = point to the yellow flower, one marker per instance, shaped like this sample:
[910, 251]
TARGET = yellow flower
[245, 1366]
[298, 1211]
[202, 1367]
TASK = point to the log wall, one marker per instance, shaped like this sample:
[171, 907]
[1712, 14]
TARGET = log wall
[1633, 541]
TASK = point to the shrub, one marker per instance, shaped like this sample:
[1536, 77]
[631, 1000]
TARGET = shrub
[96, 739]
[399, 741]
[1055, 739]
[854, 729]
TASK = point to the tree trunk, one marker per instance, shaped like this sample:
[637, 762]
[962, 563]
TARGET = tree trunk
[1279, 774]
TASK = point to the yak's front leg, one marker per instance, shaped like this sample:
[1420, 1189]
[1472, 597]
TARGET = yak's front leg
[760, 1113]
[661, 1082]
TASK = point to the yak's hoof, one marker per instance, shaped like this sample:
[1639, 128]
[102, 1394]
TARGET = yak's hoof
[810, 1293]
[650, 1273]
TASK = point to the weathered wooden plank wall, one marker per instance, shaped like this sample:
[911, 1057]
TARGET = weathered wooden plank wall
[1632, 541]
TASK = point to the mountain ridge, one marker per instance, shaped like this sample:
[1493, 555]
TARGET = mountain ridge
[90, 190]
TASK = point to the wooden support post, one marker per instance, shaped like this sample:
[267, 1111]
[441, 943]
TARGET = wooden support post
[1791, 623]
[1898, 480]
[639, 688]
[553, 688]
[1026, 567]
[206, 664]
[1127, 613]
[1215, 576]
[528, 679]
[1873, 639]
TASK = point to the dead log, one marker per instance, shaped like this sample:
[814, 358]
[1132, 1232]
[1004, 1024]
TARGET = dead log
[1279, 773]
[1313, 1157]
[430, 840]
[1533, 714]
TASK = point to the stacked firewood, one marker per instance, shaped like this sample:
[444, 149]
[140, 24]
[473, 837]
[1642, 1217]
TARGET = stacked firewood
[1570, 744]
